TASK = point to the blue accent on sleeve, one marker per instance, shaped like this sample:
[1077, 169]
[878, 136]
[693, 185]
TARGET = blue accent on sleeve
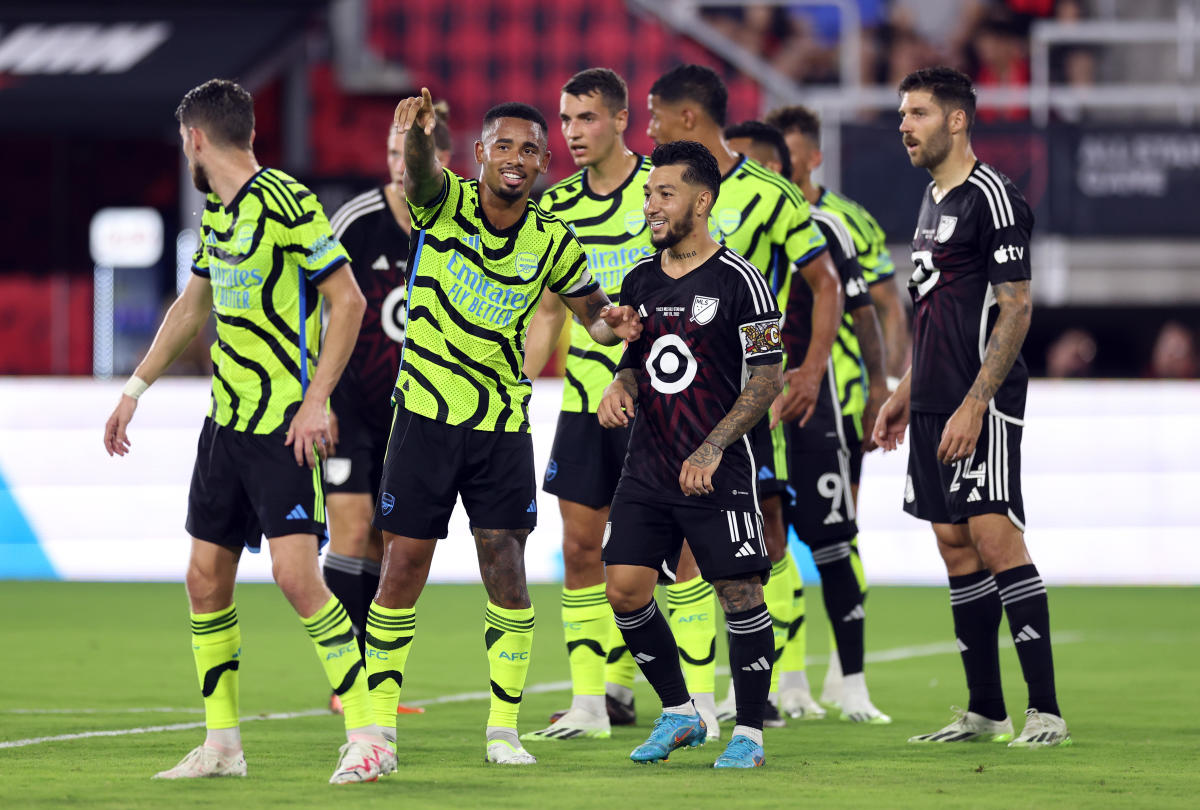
[303, 342]
[413, 267]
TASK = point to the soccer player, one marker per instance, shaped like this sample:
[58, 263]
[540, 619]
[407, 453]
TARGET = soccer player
[822, 452]
[965, 399]
[761, 216]
[704, 371]
[802, 133]
[266, 260]
[602, 202]
[374, 228]
[484, 253]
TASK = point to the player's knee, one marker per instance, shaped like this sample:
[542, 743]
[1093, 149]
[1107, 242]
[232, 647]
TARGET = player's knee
[580, 552]
[625, 597]
[352, 538]
[1001, 547]
[207, 592]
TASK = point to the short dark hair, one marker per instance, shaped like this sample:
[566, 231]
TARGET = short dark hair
[694, 83]
[607, 83]
[796, 119]
[223, 109]
[950, 89]
[702, 168]
[515, 109]
[759, 132]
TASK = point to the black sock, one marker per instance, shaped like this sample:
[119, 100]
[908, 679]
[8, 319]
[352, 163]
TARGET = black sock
[1028, 609]
[368, 584]
[648, 637]
[843, 603]
[751, 650]
[343, 576]
[975, 604]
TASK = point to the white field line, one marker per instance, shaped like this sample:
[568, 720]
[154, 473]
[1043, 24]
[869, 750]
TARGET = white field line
[880, 656]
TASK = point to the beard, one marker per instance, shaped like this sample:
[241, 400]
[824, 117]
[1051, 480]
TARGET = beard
[934, 150]
[675, 233]
[200, 179]
[502, 191]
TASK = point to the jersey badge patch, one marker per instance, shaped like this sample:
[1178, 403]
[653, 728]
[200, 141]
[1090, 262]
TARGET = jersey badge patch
[704, 309]
[760, 337]
[337, 470]
[634, 222]
[728, 220]
[526, 265]
[945, 228]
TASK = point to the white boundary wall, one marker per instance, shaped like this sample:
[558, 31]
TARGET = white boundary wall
[1111, 480]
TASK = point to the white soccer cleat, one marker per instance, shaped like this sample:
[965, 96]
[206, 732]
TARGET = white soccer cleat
[1041, 730]
[798, 704]
[856, 702]
[969, 727]
[363, 761]
[576, 724]
[203, 762]
[503, 752]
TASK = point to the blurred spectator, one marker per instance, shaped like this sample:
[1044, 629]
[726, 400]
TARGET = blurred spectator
[1174, 355]
[931, 32]
[1001, 53]
[759, 28]
[811, 52]
[1071, 355]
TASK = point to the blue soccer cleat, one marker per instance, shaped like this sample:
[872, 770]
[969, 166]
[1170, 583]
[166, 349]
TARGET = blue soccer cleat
[742, 752]
[671, 731]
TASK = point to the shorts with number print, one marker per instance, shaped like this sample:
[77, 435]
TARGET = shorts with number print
[989, 482]
[822, 511]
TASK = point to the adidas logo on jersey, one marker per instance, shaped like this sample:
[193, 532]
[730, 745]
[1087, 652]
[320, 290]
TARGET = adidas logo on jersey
[856, 614]
[834, 516]
[532, 506]
[381, 263]
[1027, 634]
[761, 665]
[746, 550]
[764, 472]
[297, 513]
[974, 496]
[643, 658]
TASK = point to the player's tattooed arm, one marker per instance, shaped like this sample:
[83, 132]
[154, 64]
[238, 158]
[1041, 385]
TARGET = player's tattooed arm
[1004, 344]
[415, 119]
[619, 401]
[502, 566]
[737, 595]
[764, 384]
[606, 323]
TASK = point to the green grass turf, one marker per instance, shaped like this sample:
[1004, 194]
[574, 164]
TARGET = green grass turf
[1125, 672]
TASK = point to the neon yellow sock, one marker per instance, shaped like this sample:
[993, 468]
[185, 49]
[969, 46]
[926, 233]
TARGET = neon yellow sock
[691, 610]
[794, 651]
[778, 595]
[508, 635]
[389, 638]
[333, 636]
[217, 648]
[586, 617]
[620, 668]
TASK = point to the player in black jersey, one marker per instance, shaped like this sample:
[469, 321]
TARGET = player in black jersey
[821, 454]
[704, 371]
[965, 398]
[375, 228]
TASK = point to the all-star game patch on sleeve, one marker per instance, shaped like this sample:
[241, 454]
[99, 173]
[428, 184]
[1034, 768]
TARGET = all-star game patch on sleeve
[761, 342]
[264, 254]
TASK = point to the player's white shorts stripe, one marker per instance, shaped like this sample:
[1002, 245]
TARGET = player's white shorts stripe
[733, 534]
[1003, 427]
[847, 498]
[987, 192]
[989, 173]
[759, 291]
[991, 459]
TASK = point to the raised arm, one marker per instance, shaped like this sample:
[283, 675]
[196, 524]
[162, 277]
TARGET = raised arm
[544, 329]
[310, 425]
[1003, 346]
[763, 385]
[415, 119]
[607, 324]
[183, 321]
[803, 382]
[870, 343]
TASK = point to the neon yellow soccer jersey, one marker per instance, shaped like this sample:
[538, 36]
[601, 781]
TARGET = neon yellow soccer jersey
[612, 230]
[264, 255]
[471, 291]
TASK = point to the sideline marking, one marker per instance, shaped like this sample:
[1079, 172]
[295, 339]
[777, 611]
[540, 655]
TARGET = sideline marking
[894, 654]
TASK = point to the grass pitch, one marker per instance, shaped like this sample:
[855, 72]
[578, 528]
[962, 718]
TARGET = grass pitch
[82, 658]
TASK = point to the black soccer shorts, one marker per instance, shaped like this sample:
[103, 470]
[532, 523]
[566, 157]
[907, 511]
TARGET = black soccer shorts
[361, 445]
[823, 509]
[989, 482]
[429, 464]
[727, 544]
[852, 426]
[770, 458]
[248, 485]
[586, 460]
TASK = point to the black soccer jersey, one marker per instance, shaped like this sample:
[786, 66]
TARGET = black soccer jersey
[378, 249]
[699, 333]
[975, 237]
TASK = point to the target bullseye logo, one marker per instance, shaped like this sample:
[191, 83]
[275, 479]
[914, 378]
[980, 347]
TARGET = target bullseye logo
[393, 315]
[670, 365]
